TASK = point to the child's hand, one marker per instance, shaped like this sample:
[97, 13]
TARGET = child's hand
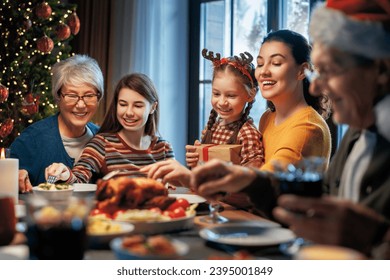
[192, 157]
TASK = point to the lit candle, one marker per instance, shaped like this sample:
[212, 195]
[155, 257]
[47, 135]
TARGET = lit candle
[9, 173]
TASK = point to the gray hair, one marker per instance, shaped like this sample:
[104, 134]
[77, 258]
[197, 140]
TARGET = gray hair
[77, 70]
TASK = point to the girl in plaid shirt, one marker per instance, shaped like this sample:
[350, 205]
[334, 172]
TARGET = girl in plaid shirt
[234, 88]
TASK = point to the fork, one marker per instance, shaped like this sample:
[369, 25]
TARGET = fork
[51, 179]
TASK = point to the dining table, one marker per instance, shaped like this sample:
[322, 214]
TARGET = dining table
[199, 248]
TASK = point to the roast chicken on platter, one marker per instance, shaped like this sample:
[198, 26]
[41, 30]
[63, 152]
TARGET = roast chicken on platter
[122, 193]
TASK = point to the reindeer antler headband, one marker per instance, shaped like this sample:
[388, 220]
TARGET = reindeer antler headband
[242, 64]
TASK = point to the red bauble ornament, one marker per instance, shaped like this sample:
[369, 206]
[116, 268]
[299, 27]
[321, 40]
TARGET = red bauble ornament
[3, 93]
[29, 98]
[45, 44]
[63, 31]
[74, 23]
[43, 10]
[6, 128]
[30, 105]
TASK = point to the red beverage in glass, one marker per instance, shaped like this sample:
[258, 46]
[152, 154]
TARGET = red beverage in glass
[7, 220]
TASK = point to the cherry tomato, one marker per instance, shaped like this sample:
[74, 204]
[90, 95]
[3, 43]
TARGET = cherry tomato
[176, 213]
[96, 212]
[117, 213]
[180, 202]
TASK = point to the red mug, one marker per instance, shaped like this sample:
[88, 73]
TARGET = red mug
[8, 220]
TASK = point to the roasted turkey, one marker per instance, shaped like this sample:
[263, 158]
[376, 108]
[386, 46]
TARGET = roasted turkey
[122, 193]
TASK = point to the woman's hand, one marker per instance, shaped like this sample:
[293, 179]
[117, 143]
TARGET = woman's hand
[170, 171]
[216, 177]
[59, 170]
[192, 157]
[24, 181]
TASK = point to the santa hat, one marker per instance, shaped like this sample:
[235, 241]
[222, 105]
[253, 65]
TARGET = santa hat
[360, 27]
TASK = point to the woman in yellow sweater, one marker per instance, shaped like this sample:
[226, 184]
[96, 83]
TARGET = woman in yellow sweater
[292, 127]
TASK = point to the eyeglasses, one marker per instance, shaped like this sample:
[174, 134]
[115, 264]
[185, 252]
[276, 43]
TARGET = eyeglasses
[312, 75]
[72, 99]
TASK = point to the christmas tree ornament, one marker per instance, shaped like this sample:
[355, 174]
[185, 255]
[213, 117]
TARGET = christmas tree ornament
[63, 31]
[26, 56]
[6, 128]
[74, 23]
[45, 44]
[27, 24]
[29, 98]
[3, 93]
[43, 10]
[30, 105]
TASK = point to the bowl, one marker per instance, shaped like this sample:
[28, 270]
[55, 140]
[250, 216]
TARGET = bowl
[54, 194]
[102, 238]
[122, 253]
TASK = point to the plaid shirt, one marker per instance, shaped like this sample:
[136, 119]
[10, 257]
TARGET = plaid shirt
[249, 137]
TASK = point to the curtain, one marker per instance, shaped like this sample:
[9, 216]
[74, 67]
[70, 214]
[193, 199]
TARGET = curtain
[150, 36]
[94, 40]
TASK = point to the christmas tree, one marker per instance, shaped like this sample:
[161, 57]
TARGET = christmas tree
[35, 34]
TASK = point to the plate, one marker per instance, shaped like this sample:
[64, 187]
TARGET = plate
[156, 227]
[14, 252]
[105, 238]
[78, 187]
[191, 198]
[247, 234]
[124, 254]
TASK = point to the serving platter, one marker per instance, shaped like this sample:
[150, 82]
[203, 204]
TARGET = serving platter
[247, 234]
[156, 227]
[191, 198]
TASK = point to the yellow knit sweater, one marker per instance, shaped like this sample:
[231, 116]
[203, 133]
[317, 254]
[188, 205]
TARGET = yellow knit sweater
[303, 134]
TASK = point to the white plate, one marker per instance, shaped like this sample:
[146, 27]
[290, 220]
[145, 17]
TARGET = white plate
[124, 254]
[14, 252]
[247, 234]
[78, 187]
[157, 227]
[191, 198]
[20, 211]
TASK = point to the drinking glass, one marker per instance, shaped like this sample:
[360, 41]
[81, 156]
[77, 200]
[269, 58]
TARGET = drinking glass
[57, 229]
[304, 179]
[8, 220]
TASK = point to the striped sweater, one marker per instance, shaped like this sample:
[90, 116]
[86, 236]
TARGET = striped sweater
[108, 151]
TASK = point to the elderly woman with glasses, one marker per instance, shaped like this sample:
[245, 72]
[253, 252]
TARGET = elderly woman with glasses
[77, 88]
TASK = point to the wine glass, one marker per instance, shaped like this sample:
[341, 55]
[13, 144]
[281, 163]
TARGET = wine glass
[303, 179]
[214, 217]
[214, 207]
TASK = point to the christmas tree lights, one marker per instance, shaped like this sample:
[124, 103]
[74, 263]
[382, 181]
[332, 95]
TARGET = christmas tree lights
[35, 34]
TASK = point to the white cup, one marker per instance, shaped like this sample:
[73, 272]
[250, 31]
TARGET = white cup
[9, 174]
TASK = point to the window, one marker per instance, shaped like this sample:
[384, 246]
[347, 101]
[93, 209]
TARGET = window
[231, 27]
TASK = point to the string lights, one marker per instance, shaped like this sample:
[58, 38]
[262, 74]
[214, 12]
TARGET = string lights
[25, 63]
